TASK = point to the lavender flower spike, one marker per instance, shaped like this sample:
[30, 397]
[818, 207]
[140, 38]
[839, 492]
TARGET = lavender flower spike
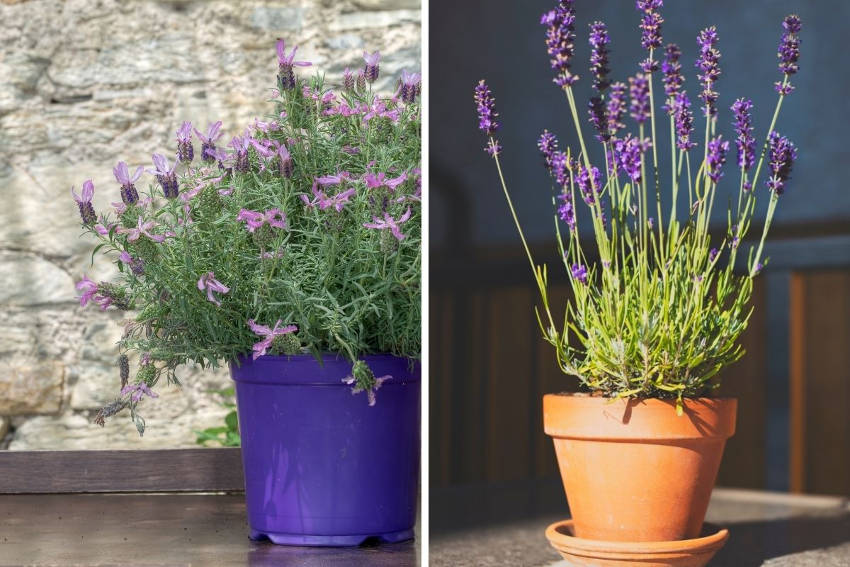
[208, 141]
[84, 202]
[211, 285]
[410, 86]
[599, 41]
[616, 108]
[487, 123]
[782, 155]
[708, 63]
[286, 76]
[717, 149]
[185, 151]
[650, 23]
[241, 144]
[372, 68]
[548, 145]
[745, 141]
[165, 176]
[128, 191]
[560, 41]
[639, 95]
[684, 121]
[348, 80]
[672, 70]
[789, 52]
[628, 154]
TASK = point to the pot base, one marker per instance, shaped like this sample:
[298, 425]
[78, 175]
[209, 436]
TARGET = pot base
[330, 540]
[681, 553]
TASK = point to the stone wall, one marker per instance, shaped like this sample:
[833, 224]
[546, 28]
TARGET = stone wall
[85, 83]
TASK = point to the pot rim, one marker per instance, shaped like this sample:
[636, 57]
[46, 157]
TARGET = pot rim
[599, 418]
[305, 370]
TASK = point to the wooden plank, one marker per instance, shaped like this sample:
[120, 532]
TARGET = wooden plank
[508, 454]
[797, 382]
[442, 335]
[167, 470]
[158, 530]
[744, 460]
[827, 382]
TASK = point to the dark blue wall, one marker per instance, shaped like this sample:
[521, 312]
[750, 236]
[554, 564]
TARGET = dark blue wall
[502, 41]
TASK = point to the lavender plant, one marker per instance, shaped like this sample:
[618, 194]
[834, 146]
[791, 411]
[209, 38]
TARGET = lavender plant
[661, 311]
[299, 235]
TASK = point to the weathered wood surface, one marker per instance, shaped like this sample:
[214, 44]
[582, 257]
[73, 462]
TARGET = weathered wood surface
[134, 530]
[169, 470]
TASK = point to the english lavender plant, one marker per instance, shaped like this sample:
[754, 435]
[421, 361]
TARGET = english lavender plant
[300, 235]
[662, 311]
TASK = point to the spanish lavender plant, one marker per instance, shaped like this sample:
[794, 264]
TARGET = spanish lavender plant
[658, 314]
[301, 236]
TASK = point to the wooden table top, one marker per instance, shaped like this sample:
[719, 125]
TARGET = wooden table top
[136, 530]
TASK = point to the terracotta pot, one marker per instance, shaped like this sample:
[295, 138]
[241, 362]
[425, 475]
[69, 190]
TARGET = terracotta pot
[633, 470]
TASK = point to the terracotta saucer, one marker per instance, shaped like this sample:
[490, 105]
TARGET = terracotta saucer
[682, 553]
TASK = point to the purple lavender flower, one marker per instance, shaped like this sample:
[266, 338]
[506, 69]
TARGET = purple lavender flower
[672, 69]
[269, 334]
[579, 272]
[683, 118]
[650, 24]
[137, 391]
[712, 254]
[599, 41]
[628, 154]
[410, 86]
[208, 141]
[347, 80]
[560, 41]
[211, 285]
[372, 67]
[142, 228]
[548, 145]
[165, 176]
[286, 76]
[589, 183]
[648, 65]
[561, 169]
[88, 289]
[487, 123]
[717, 148]
[128, 191]
[361, 80]
[84, 202]
[616, 108]
[566, 212]
[789, 46]
[185, 151]
[486, 106]
[241, 145]
[708, 63]
[255, 219]
[639, 95]
[745, 141]
[782, 155]
[390, 223]
[649, 5]
[596, 112]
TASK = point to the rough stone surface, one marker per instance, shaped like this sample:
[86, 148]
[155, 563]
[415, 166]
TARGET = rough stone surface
[28, 386]
[85, 83]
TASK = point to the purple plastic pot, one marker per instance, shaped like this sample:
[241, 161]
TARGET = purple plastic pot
[322, 467]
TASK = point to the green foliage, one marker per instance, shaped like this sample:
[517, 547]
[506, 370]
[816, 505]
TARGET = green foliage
[226, 435]
[348, 288]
